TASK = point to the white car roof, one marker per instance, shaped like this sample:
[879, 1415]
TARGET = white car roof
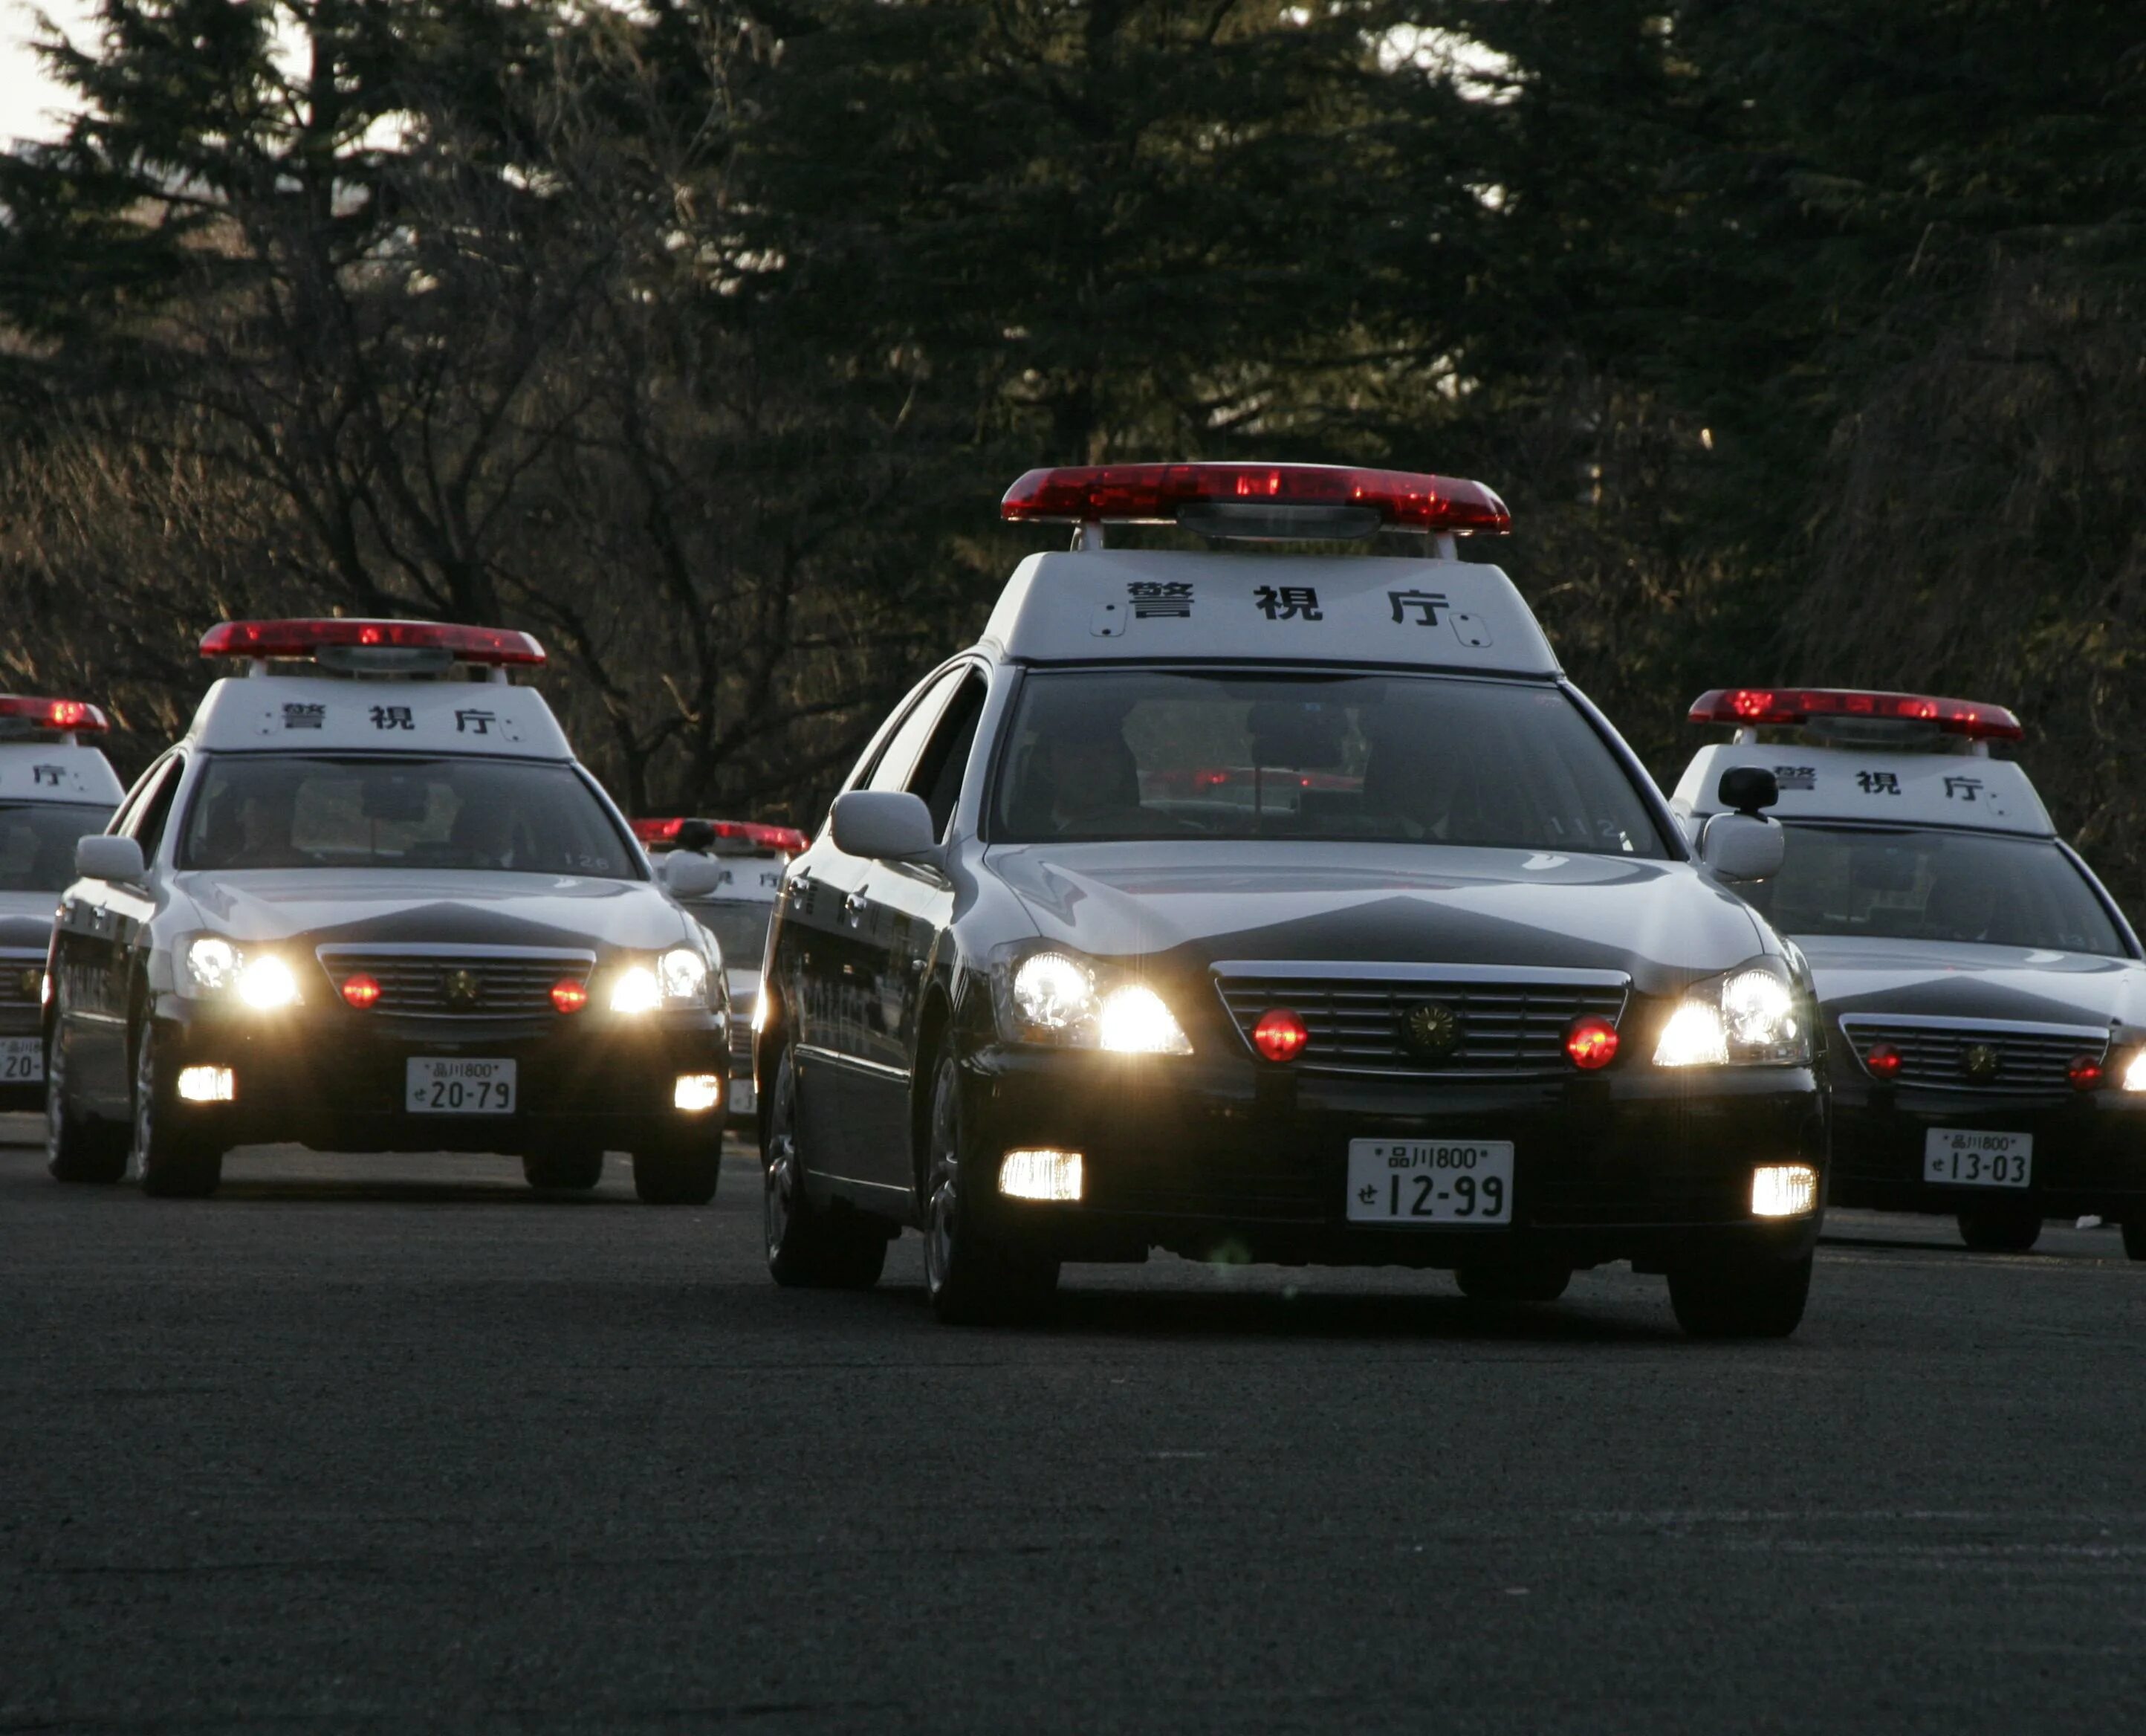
[1141, 604]
[56, 771]
[1856, 783]
[337, 714]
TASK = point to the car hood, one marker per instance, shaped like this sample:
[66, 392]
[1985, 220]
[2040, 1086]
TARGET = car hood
[469, 909]
[1948, 979]
[1663, 923]
[26, 920]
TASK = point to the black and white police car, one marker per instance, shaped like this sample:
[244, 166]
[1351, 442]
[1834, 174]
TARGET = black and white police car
[371, 903]
[54, 787]
[1279, 908]
[1985, 997]
[750, 856]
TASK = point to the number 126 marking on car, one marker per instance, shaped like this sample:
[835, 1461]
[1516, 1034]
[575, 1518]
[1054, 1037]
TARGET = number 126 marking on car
[1430, 1181]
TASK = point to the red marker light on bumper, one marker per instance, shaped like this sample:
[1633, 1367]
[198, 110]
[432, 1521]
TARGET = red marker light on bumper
[361, 990]
[568, 996]
[2085, 1072]
[1279, 1036]
[1592, 1043]
[1882, 1059]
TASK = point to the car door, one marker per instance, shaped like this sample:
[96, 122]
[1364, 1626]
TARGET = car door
[850, 1082]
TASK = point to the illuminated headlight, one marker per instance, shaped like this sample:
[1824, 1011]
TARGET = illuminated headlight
[211, 963]
[266, 983]
[207, 1085]
[1783, 1190]
[1058, 999]
[634, 989]
[683, 975]
[1041, 1175]
[696, 1093]
[1748, 1018]
[2134, 1072]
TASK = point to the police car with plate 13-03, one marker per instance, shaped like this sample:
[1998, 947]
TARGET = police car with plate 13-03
[54, 787]
[1279, 907]
[371, 903]
[1985, 998]
[750, 856]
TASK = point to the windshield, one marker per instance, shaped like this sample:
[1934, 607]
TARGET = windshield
[1408, 759]
[291, 811]
[740, 929]
[1912, 884]
[37, 841]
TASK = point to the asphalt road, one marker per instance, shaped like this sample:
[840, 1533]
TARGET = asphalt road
[385, 1444]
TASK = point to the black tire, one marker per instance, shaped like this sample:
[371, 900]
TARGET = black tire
[2134, 1239]
[971, 1280]
[1513, 1284]
[575, 1171]
[2006, 1227]
[680, 1171]
[78, 1147]
[175, 1162]
[807, 1248]
[1751, 1301]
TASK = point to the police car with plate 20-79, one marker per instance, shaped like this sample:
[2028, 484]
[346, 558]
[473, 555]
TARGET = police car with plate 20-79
[371, 903]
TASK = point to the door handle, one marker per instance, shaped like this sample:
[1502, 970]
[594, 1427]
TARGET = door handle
[853, 908]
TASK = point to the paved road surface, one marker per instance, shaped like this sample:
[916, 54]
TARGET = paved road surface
[374, 1444]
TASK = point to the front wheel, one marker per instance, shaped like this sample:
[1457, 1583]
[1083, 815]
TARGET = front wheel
[572, 1171]
[2012, 1227]
[681, 1170]
[77, 1148]
[971, 1278]
[1722, 1300]
[174, 1161]
[807, 1248]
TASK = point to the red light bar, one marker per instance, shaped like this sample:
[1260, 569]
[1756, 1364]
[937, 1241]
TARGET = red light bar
[783, 838]
[497, 645]
[1749, 706]
[75, 715]
[1155, 494]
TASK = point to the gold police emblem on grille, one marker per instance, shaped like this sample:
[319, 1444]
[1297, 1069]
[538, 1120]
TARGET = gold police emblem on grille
[1432, 1029]
[1981, 1061]
[462, 989]
[31, 983]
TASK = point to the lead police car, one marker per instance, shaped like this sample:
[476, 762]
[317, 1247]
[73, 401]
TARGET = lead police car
[1283, 908]
[54, 788]
[1989, 995]
[370, 902]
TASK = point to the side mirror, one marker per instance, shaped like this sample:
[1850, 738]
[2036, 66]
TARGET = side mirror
[688, 873]
[888, 826]
[116, 860]
[1746, 789]
[1742, 846]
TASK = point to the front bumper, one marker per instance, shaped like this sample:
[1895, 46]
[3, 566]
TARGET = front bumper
[2089, 1152]
[1211, 1158]
[336, 1081]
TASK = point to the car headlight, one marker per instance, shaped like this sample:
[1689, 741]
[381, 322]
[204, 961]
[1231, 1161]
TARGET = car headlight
[1058, 999]
[266, 983]
[211, 963]
[634, 989]
[678, 978]
[1751, 1017]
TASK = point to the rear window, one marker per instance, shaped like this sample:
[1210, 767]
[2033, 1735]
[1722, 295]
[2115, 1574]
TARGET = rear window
[1400, 759]
[292, 811]
[37, 841]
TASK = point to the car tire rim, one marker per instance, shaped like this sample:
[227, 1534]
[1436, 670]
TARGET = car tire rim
[779, 1185]
[145, 1106]
[55, 1099]
[943, 1221]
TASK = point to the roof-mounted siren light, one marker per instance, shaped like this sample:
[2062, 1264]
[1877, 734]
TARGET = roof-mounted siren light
[744, 837]
[66, 720]
[375, 647]
[1257, 502]
[1856, 715]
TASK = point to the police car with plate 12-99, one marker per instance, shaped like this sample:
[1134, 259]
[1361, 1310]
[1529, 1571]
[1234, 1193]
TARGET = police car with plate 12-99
[1988, 996]
[1279, 907]
[54, 787]
[371, 903]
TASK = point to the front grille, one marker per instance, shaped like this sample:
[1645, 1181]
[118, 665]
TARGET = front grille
[500, 982]
[1936, 1051]
[21, 978]
[741, 1044]
[1507, 1020]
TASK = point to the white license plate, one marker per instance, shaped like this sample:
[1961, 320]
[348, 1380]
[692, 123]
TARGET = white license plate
[456, 1085]
[1958, 1157]
[1430, 1181]
[741, 1097]
[22, 1061]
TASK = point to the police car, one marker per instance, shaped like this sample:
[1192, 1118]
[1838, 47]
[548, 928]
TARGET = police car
[1984, 997]
[54, 787]
[749, 856]
[371, 902]
[1279, 907]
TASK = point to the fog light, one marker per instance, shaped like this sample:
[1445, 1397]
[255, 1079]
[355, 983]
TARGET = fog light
[1041, 1175]
[207, 1085]
[696, 1093]
[1783, 1190]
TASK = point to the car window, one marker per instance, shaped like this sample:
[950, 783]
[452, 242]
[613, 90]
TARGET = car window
[37, 841]
[740, 928]
[1409, 759]
[940, 767]
[1927, 883]
[897, 760]
[292, 811]
[145, 820]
